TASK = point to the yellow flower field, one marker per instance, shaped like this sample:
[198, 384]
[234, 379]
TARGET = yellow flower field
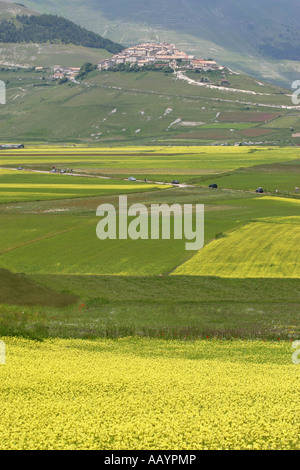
[269, 248]
[149, 394]
[147, 157]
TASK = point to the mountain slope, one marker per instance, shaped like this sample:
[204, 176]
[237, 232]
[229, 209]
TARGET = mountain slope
[247, 35]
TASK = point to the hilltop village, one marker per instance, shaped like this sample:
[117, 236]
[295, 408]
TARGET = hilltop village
[162, 54]
[157, 55]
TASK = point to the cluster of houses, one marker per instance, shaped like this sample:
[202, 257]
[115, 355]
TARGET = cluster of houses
[62, 72]
[157, 54]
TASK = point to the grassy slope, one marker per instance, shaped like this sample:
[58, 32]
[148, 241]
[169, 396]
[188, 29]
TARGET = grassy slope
[63, 242]
[48, 55]
[8, 11]
[120, 107]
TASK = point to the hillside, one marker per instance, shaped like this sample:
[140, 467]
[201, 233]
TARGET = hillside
[11, 10]
[48, 55]
[29, 39]
[260, 38]
[145, 107]
[52, 28]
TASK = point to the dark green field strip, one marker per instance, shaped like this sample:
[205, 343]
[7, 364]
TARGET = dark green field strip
[179, 289]
[168, 307]
[17, 289]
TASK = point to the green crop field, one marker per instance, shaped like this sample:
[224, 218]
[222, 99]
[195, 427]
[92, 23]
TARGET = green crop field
[147, 160]
[27, 186]
[48, 232]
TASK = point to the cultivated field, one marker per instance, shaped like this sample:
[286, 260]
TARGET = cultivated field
[266, 248]
[149, 394]
[198, 345]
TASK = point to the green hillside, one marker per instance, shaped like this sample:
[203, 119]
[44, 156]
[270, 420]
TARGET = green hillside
[144, 107]
[255, 37]
[28, 39]
[48, 55]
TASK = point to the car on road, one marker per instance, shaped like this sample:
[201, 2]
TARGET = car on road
[19, 168]
[131, 178]
[175, 182]
[259, 190]
[213, 185]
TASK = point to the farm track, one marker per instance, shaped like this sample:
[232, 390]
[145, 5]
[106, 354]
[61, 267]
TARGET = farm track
[101, 177]
[96, 154]
[208, 98]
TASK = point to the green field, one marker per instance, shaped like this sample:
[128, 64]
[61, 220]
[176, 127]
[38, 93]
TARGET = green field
[48, 232]
[27, 186]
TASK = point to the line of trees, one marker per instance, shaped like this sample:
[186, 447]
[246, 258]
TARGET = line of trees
[144, 68]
